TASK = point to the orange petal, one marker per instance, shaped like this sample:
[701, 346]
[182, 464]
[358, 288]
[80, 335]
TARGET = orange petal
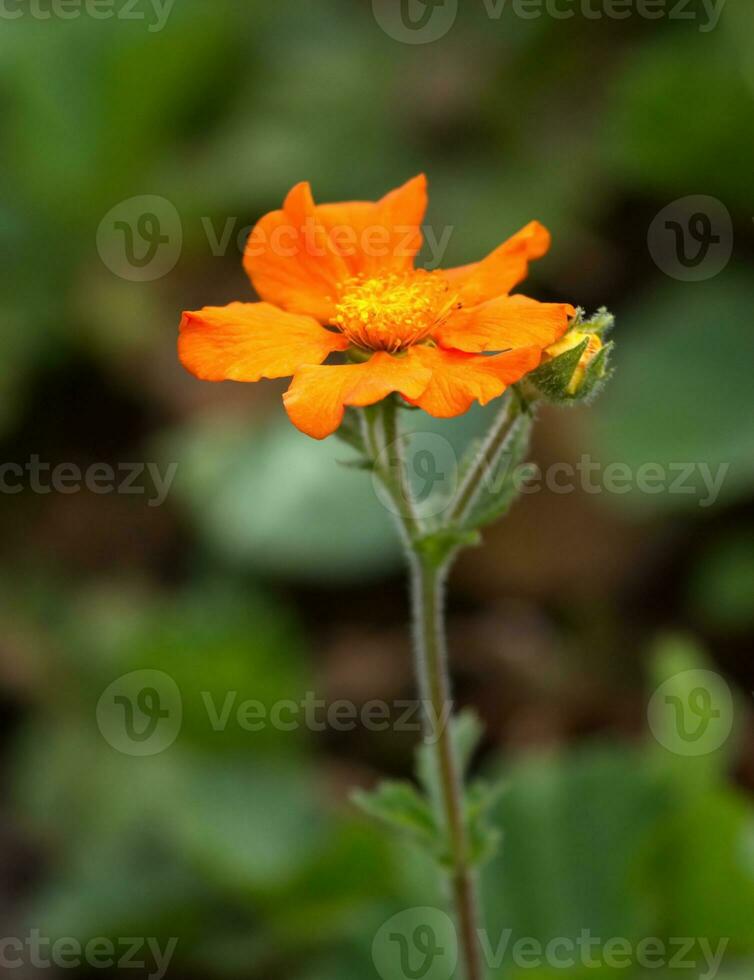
[317, 397]
[290, 260]
[249, 341]
[296, 257]
[381, 236]
[501, 270]
[458, 379]
[504, 323]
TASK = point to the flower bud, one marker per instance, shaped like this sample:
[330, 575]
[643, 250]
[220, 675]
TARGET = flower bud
[574, 368]
[590, 345]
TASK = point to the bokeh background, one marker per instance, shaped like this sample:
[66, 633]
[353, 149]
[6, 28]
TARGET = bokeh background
[271, 571]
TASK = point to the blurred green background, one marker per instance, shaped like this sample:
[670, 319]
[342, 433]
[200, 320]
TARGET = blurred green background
[271, 571]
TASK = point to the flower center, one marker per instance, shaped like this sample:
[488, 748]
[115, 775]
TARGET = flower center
[393, 311]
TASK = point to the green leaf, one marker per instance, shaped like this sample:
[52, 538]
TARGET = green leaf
[682, 397]
[466, 733]
[576, 825]
[400, 805]
[484, 838]
[269, 498]
[664, 133]
[701, 869]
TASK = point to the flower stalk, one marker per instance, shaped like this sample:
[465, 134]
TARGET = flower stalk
[488, 457]
[428, 578]
[431, 660]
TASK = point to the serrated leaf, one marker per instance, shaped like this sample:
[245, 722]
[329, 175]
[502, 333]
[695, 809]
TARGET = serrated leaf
[484, 839]
[484, 842]
[466, 733]
[400, 805]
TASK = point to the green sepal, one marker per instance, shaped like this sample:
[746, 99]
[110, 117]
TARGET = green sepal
[553, 377]
[601, 323]
[597, 374]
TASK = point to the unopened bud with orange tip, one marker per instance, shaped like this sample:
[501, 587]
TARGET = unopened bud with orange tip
[589, 345]
[575, 367]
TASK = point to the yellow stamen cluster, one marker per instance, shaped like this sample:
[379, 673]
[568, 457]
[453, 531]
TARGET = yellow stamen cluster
[391, 312]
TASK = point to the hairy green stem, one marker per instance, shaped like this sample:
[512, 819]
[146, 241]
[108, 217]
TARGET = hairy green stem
[385, 447]
[394, 451]
[428, 590]
[489, 453]
[385, 444]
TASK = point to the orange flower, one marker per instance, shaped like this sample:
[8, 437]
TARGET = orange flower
[341, 278]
